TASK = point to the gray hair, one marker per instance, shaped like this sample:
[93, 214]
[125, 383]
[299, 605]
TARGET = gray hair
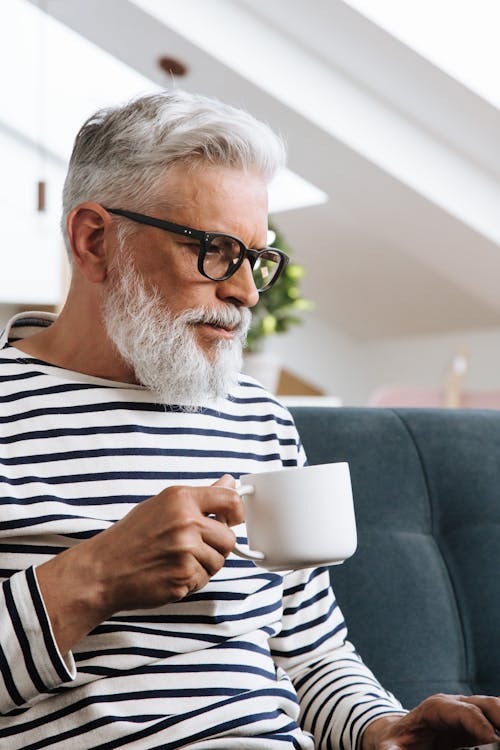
[121, 153]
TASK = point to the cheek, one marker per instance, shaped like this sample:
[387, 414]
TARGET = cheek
[180, 294]
[176, 265]
[173, 274]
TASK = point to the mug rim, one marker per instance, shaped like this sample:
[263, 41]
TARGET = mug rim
[294, 468]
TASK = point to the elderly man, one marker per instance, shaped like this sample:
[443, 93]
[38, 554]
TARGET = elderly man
[126, 620]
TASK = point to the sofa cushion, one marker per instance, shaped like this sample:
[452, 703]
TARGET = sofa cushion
[421, 593]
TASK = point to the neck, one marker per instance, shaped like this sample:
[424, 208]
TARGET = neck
[77, 341]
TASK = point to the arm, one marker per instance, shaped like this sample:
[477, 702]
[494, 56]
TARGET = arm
[342, 703]
[30, 662]
[338, 694]
[164, 549]
[160, 551]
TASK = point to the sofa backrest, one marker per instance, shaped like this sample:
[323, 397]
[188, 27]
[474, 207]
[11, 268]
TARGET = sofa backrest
[421, 596]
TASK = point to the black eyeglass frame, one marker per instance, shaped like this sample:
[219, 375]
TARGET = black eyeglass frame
[205, 238]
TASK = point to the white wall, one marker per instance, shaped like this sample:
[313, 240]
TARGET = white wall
[425, 360]
[6, 312]
[352, 370]
[327, 358]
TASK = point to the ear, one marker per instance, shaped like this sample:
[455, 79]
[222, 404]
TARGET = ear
[92, 241]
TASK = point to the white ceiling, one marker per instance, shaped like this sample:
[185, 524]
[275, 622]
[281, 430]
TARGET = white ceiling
[409, 241]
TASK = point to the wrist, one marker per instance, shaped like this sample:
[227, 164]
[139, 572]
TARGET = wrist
[378, 730]
[75, 599]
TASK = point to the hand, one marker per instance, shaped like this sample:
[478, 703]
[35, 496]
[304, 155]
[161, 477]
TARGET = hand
[441, 722]
[168, 546]
[165, 548]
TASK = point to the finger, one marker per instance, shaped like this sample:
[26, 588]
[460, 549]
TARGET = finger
[210, 559]
[489, 706]
[223, 502]
[225, 481]
[191, 571]
[218, 536]
[473, 723]
[230, 482]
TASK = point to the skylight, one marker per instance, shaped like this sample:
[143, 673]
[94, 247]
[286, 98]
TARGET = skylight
[288, 190]
[64, 78]
[458, 36]
[59, 78]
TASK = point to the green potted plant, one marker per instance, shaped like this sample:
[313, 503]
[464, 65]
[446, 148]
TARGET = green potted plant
[276, 312]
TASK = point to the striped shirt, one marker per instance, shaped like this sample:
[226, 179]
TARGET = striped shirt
[255, 660]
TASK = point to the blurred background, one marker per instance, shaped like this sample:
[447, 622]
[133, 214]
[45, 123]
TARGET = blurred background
[391, 204]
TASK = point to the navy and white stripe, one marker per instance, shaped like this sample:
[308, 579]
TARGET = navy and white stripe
[225, 668]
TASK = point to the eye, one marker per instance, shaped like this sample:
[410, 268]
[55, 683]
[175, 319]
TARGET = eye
[215, 250]
[224, 247]
[193, 247]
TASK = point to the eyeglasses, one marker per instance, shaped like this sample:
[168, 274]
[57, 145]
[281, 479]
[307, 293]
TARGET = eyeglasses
[220, 255]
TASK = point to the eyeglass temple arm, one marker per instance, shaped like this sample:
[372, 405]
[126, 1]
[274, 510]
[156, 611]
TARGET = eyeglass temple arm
[158, 223]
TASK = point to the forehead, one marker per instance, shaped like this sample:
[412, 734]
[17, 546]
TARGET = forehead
[218, 199]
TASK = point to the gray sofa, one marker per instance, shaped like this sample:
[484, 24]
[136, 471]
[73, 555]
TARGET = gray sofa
[422, 593]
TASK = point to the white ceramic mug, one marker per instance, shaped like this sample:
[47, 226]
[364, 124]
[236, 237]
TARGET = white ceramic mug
[299, 517]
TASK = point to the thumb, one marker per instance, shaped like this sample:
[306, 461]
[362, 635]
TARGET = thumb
[225, 481]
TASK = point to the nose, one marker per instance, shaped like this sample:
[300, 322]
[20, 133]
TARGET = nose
[239, 288]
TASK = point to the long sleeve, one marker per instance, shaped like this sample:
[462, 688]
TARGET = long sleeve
[30, 663]
[337, 692]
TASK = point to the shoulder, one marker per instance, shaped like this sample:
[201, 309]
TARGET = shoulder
[14, 369]
[249, 392]
[250, 401]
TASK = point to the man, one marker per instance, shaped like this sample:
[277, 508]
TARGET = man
[126, 620]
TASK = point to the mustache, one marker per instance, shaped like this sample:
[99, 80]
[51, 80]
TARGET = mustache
[230, 316]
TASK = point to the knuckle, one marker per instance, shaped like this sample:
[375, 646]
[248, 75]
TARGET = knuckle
[187, 549]
[491, 700]
[181, 547]
[235, 506]
[178, 591]
[225, 549]
[191, 570]
[186, 568]
[230, 540]
[216, 564]
[434, 703]
[220, 565]
[233, 499]
[181, 492]
[226, 538]
[436, 698]
[235, 502]
[184, 580]
[227, 480]
[187, 521]
[469, 706]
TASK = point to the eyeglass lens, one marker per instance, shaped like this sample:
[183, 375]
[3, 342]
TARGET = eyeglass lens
[222, 257]
[265, 269]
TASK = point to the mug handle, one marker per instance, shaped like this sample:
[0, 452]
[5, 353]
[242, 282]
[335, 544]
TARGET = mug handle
[254, 555]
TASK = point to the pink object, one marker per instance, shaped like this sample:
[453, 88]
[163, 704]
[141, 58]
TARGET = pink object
[395, 395]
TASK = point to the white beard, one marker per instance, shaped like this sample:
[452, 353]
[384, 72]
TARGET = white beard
[162, 350]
